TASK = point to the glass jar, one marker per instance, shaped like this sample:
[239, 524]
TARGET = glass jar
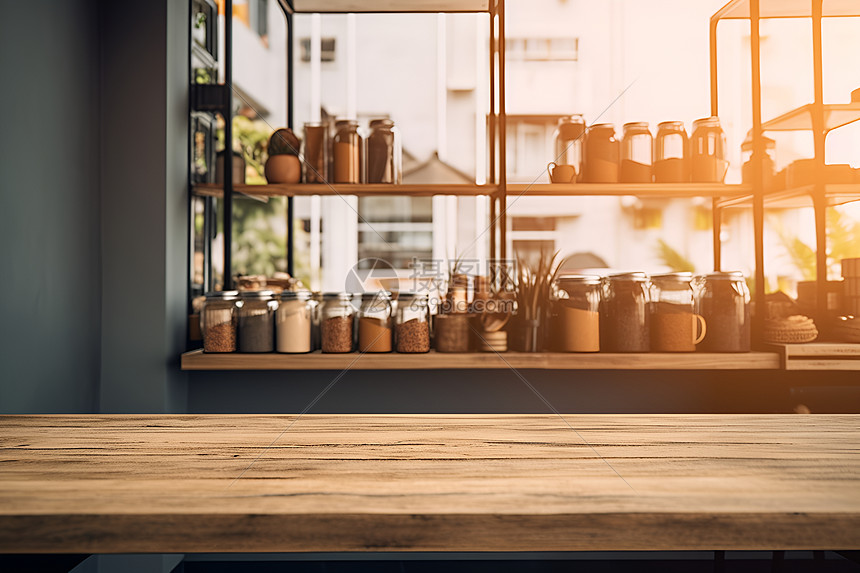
[315, 153]
[452, 332]
[374, 322]
[768, 165]
[724, 303]
[218, 321]
[568, 144]
[383, 153]
[601, 154]
[412, 323]
[624, 320]
[336, 322]
[675, 326]
[636, 153]
[294, 322]
[670, 153]
[346, 152]
[256, 313]
[708, 151]
[575, 314]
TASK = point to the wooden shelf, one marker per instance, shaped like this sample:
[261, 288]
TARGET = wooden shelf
[837, 194]
[359, 189]
[836, 115]
[385, 6]
[644, 190]
[197, 360]
[819, 355]
[740, 9]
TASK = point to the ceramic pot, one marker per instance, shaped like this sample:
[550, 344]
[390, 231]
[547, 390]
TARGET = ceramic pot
[283, 169]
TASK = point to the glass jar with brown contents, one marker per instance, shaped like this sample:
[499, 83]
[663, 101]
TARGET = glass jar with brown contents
[374, 322]
[336, 322]
[383, 153]
[412, 323]
[724, 303]
[347, 152]
[671, 154]
[624, 320]
[218, 321]
[675, 326]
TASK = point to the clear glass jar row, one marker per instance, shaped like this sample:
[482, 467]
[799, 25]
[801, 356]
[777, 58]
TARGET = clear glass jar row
[631, 312]
[299, 322]
[595, 155]
[346, 155]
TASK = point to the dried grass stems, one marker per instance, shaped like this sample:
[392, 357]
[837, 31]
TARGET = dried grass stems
[534, 283]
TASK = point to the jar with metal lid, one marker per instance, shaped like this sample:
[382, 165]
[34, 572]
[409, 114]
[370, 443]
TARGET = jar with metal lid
[624, 320]
[708, 151]
[636, 153]
[347, 152]
[412, 323]
[294, 322]
[315, 153]
[256, 313]
[601, 154]
[671, 159]
[374, 322]
[575, 313]
[569, 136]
[724, 303]
[383, 153]
[336, 322]
[675, 326]
[218, 321]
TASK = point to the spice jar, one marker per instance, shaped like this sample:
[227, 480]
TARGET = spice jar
[346, 150]
[294, 322]
[575, 319]
[336, 322]
[708, 151]
[568, 143]
[601, 154]
[412, 323]
[374, 322]
[256, 313]
[218, 321]
[670, 153]
[636, 153]
[383, 153]
[724, 303]
[675, 326]
[315, 153]
[624, 320]
[451, 332]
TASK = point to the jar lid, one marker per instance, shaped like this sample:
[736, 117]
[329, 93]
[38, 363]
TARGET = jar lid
[377, 295]
[724, 276]
[575, 119]
[670, 125]
[413, 296]
[578, 280]
[345, 296]
[314, 124]
[636, 125]
[673, 277]
[257, 294]
[384, 122]
[602, 126]
[296, 295]
[636, 276]
[712, 121]
[346, 122]
[222, 295]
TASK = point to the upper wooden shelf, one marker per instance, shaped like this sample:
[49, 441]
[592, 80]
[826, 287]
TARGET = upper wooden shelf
[800, 119]
[644, 190]
[385, 6]
[198, 360]
[740, 9]
[836, 194]
[359, 189]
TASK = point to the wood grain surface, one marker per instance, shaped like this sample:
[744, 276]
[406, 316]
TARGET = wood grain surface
[267, 483]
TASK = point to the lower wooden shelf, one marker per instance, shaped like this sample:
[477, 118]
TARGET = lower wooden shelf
[197, 360]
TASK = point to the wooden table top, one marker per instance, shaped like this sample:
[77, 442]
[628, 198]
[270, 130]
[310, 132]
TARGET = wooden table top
[248, 483]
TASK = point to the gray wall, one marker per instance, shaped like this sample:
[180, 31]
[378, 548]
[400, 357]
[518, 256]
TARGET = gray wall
[144, 118]
[49, 183]
[93, 241]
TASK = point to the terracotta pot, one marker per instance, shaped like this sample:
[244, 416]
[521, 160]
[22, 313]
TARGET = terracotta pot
[283, 169]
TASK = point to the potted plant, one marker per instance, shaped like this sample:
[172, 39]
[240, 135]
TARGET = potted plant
[283, 165]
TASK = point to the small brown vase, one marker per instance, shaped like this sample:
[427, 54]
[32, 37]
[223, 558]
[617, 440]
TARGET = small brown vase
[283, 169]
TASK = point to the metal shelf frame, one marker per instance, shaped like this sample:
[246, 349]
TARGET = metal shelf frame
[755, 11]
